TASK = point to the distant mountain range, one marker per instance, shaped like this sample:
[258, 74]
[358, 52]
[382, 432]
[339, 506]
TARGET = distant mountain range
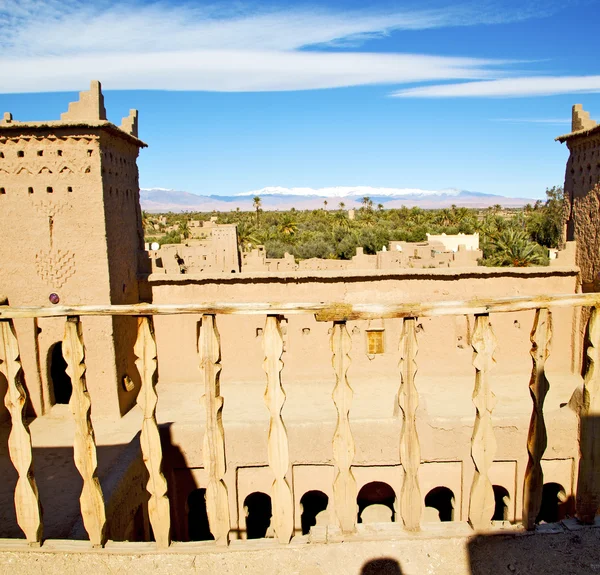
[278, 198]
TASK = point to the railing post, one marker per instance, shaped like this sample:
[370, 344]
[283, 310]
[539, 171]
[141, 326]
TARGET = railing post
[279, 461]
[483, 441]
[84, 446]
[344, 484]
[588, 482]
[158, 504]
[213, 447]
[411, 506]
[541, 335]
[27, 503]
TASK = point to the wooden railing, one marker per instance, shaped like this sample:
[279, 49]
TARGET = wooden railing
[483, 444]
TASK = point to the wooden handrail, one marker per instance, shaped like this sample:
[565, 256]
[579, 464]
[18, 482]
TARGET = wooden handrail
[323, 311]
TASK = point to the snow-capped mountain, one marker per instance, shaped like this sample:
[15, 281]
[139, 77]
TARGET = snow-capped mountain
[349, 192]
[280, 198]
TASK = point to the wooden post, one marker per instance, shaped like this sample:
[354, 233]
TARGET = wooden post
[84, 446]
[279, 461]
[588, 482]
[541, 335]
[483, 442]
[158, 504]
[344, 484]
[27, 502]
[411, 506]
[213, 447]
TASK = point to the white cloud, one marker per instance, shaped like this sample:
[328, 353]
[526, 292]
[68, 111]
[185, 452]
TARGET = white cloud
[507, 87]
[53, 45]
[231, 70]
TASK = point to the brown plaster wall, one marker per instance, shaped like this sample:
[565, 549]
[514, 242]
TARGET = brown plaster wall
[58, 234]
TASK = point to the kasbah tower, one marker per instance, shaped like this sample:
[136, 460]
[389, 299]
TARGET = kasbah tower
[71, 231]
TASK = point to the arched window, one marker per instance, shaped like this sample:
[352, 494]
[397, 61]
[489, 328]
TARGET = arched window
[258, 515]
[61, 382]
[441, 499]
[312, 502]
[502, 499]
[198, 528]
[380, 494]
[553, 498]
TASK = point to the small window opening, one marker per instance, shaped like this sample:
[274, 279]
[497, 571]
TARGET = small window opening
[2, 191]
[1, 154]
[554, 503]
[441, 499]
[49, 190]
[374, 342]
[40, 152]
[259, 331]
[502, 499]
[258, 515]
[61, 382]
[69, 189]
[380, 494]
[306, 331]
[20, 153]
[312, 503]
[198, 527]
[59, 152]
[30, 190]
[89, 152]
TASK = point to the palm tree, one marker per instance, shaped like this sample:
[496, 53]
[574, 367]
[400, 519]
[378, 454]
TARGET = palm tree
[366, 202]
[245, 236]
[380, 207]
[288, 227]
[256, 202]
[513, 247]
[324, 204]
[342, 205]
[341, 220]
[184, 229]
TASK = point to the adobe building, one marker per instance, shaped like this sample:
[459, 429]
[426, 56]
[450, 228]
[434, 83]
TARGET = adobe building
[70, 230]
[72, 187]
[582, 190]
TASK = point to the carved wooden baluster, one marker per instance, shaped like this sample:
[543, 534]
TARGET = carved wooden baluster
[410, 451]
[541, 335]
[483, 442]
[158, 504]
[344, 484]
[279, 461]
[84, 446]
[217, 503]
[588, 481]
[27, 503]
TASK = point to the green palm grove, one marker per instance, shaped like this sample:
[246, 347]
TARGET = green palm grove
[511, 237]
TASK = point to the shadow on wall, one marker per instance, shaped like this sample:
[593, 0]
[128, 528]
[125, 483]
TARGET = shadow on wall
[382, 566]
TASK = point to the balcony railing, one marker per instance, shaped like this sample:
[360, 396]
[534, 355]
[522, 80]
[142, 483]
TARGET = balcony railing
[483, 445]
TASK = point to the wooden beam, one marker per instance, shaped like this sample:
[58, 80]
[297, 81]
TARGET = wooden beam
[27, 501]
[541, 335]
[93, 511]
[277, 446]
[411, 506]
[323, 311]
[158, 504]
[344, 484]
[588, 481]
[213, 446]
[483, 441]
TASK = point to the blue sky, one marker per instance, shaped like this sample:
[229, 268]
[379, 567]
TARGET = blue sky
[239, 96]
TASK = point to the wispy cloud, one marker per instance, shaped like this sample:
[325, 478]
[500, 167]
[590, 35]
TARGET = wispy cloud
[507, 87]
[52, 45]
